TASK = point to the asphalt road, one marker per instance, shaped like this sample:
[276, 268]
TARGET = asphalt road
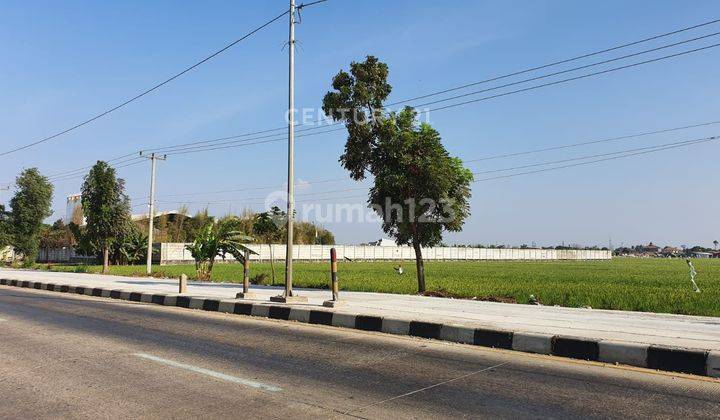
[82, 357]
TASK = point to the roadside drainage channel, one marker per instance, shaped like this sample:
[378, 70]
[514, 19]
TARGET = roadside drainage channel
[682, 360]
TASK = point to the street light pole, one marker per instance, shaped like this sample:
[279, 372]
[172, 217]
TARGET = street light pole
[151, 212]
[288, 295]
[291, 154]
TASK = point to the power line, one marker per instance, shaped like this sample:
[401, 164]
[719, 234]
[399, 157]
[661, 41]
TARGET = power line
[234, 200]
[708, 139]
[229, 144]
[683, 144]
[250, 141]
[585, 143]
[88, 167]
[211, 146]
[145, 92]
[233, 145]
[556, 63]
[312, 3]
[544, 76]
[584, 76]
[322, 181]
[161, 149]
[200, 142]
[83, 170]
[559, 147]
[532, 165]
[604, 156]
[82, 175]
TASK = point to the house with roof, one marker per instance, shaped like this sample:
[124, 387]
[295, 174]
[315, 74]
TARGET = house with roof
[670, 251]
[651, 249]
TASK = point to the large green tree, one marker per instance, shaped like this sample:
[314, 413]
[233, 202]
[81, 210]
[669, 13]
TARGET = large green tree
[29, 207]
[106, 208]
[419, 190]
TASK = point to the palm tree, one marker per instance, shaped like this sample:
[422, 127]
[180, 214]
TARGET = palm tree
[217, 240]
[267, 224]
[715, 242]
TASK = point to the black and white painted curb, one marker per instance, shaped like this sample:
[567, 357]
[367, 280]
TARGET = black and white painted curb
[691, 361]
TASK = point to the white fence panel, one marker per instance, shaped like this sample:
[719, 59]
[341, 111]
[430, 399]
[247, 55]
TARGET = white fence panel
[173, 253]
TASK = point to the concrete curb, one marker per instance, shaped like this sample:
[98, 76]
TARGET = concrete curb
[690, 361]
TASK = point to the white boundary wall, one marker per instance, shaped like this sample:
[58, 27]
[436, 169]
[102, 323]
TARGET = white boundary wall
[176, 253]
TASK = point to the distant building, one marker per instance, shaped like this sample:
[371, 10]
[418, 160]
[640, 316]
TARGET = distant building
[670, 251]
[701, 254]
[73, 210]
[171, 215]
[651, 249]
[382, 242]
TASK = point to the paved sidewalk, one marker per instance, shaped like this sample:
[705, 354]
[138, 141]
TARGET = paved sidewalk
[631, 327]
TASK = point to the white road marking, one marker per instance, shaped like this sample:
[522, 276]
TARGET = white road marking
[211, 373]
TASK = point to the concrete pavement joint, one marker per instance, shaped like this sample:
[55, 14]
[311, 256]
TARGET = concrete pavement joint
[689, 361]
[427, 387]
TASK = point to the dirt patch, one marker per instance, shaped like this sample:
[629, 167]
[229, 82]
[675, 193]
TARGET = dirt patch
[446, 294]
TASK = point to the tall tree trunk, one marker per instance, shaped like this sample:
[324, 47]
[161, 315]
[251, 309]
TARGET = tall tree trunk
[420, 266]
[106, 260]
[272, 265]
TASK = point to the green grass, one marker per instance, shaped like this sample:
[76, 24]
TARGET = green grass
[652, 285]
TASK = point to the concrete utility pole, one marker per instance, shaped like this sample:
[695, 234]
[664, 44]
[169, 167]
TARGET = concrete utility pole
[288, 295]
[151, 213]
[3, 189]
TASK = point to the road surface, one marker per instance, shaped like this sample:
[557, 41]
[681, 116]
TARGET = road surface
[83, 357]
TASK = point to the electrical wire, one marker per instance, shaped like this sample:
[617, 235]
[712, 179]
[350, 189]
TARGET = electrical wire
[228, 144]
[585, 143]
[660, 146]
[566, 146]
[210, 144]
[147, 91]
[545, 76]
[709, 139]
[584, 76]
[271, 138]
[556, 63]
[212, 148]
[82, 175]
[604, 156]
[222, 139]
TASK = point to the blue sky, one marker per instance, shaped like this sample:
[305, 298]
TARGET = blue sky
[65, 61]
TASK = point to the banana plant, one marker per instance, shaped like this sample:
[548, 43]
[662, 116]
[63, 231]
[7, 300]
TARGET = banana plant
[133, 247]
[217, 240]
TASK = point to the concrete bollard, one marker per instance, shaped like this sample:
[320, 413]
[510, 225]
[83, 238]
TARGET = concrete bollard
[246, 294]
[333, 281]
[183, 283]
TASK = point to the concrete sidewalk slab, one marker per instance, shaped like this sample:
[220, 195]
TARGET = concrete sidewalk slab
[680, 343]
